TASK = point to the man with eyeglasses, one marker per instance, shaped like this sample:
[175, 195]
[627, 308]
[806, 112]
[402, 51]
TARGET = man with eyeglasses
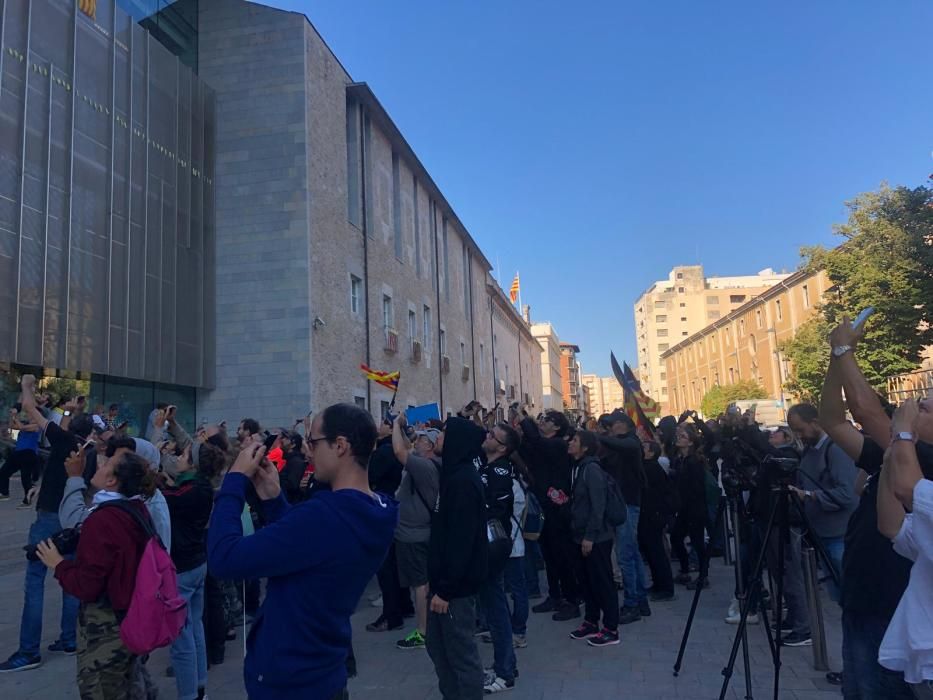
[301, 635]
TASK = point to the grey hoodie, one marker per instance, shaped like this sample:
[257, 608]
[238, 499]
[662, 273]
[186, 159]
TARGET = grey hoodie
[588, 502]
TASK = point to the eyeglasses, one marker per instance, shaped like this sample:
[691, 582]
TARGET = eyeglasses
[312, 441]
[493, 436]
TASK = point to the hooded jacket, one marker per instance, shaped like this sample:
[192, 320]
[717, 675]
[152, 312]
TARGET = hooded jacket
[548, 461]
[457, 550]
[588, 506]
[621, 457]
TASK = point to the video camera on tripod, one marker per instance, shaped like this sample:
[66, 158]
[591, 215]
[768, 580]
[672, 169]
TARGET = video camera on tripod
[745, 467]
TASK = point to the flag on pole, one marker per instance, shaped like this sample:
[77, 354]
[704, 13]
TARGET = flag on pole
[387, 379]
[640, 407]
[515, 289]
[88, 7]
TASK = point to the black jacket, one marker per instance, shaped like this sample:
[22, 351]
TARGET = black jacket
[691, 487]
[659, 502]
[290, 476]
[189, 507]
[621, 457]
[547, 460]
[588, 507]
[497, 481]
[385, 471]
[457, 551]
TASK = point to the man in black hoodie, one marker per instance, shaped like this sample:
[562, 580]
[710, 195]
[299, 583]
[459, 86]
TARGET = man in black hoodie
[544, 449]
[457, 563]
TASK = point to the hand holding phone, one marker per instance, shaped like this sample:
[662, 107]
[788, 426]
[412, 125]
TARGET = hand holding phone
[862, 317]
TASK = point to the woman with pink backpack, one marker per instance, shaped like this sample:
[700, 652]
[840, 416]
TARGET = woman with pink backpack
[103, 574]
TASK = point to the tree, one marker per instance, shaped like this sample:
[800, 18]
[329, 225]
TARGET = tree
[719, 397]
[885, 261]
[808, 353]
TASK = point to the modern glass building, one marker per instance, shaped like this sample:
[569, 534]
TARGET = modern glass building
[106, 200]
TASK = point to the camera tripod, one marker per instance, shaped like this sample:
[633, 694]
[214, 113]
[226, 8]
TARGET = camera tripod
[750, 596]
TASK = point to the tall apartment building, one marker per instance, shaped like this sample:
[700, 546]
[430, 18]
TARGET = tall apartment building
[552, 391]
[199, 204]
[744, 344]
[570, 379]
[605, 394]
[673, 309]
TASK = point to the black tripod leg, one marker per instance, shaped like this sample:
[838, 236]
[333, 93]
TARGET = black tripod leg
[783, 541]
[704, 567]
[750, 604]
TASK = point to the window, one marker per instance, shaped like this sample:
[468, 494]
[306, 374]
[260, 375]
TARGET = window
[416, 225]
[426, 321]
[360, 401]
[354, 201]
[663, 391]
[356, 294]
[682, 305]
[758, 320]
[712, 301]
[661, 318]
[685, 333]
[736, 298]
[712, 315]
[663, 346]
[680, 275]
[387, 311]
[662, 332]
[732, 375]
[412, 325]
[683, 319]
[482, 358]
[660, 304]
[741, 326]
[443, 342]
[680, 290]
[446, 262]
[779, 310]
[397, 205]
[463, 354]
[752, 343]
[806, 297]
[663, 376]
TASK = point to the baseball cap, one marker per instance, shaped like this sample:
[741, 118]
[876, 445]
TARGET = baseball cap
[431, 434]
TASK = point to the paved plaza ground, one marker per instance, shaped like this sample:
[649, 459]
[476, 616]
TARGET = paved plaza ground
[553, 666]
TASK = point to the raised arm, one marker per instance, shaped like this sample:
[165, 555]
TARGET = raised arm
[862, 399]
[833, 413]
[906, 467]
[400, 444]
[28, 386]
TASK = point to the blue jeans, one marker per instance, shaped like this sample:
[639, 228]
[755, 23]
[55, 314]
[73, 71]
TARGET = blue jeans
[189, 652]
[496, 608]
[633, 570]
[531, 559]
[30, 629]
[834, 548]
[515, 584]
[863, 678]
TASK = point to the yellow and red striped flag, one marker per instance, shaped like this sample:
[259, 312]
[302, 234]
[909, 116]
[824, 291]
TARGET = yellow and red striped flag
[88, 7]
[387, 379]
[515, 289]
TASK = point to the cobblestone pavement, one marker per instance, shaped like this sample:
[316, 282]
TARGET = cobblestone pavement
[553, 666]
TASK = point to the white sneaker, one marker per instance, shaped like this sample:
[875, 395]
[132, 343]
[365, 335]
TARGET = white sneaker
[735, 618]
[519, 641]
[734, 612]
[376, 602]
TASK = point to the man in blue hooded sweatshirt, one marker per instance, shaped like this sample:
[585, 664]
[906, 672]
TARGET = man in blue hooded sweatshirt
[318, 557]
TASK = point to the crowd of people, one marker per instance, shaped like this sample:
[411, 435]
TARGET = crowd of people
[456, 519]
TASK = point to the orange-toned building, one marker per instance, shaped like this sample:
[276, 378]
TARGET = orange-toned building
[744, 344]
[571, 387]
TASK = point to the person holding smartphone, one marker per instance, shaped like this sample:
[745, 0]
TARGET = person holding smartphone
[24, 458]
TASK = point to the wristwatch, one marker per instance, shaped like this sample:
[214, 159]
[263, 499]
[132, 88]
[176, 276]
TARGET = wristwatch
[66, 413]
[906, 436]
[841, 350]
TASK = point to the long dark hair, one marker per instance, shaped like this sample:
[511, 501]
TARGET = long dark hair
[134, 477]
[696, 441]
[588, 441]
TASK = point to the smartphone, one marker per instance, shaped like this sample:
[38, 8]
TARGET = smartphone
[123, 425]
[863, 316]
[270, 441]
[88, 443]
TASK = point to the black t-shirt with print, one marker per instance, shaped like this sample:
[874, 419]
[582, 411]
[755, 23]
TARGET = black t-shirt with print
[62, 443]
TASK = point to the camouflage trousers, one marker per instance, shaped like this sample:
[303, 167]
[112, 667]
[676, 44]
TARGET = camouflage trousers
[106, 669]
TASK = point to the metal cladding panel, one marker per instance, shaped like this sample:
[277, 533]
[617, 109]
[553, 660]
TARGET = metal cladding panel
[106, 167]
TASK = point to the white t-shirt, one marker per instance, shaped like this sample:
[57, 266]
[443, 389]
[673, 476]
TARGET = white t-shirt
[908, 641]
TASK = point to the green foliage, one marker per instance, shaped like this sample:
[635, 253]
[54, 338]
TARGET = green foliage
[719, 397]
[885, 261]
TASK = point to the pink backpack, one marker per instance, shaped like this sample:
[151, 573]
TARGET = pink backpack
[157, 613]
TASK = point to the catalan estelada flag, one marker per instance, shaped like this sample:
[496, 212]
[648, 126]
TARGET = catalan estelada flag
[387, 379]
[88, 7]
[640, 407]
[515, 289]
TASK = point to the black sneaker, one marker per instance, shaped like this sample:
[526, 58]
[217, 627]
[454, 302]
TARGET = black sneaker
[629, 615]
[606, 638]
[662, 596]
[382, 625]
[547, 605]
[644, 608]
[585, 631]
[682, 578]
[59, 646]
[797, 640]
[20, 662]
[568, 611]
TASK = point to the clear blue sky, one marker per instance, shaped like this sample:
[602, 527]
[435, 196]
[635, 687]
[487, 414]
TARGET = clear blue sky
[594, 149]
